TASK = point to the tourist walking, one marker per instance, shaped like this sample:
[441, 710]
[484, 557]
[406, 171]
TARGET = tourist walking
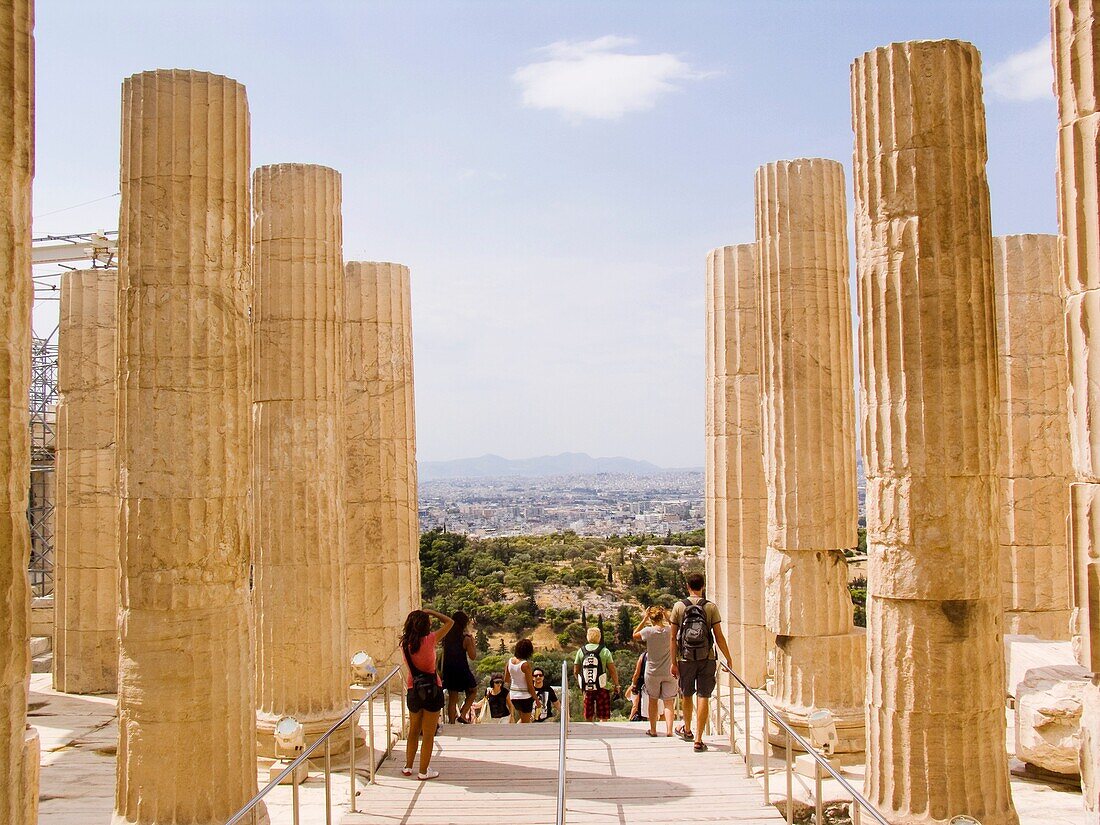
[592, 665]
[494, 704]
[696, 631]
[458, 680]
[654, 629]
[517, 678]
[425, 689]
[545, 696]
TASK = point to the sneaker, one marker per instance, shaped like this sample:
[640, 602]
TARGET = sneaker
[406, 771]
[431, 774]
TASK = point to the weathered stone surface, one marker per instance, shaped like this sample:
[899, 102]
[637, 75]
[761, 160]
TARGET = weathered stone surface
[1075, 33]
[383, 571]
[736, 494]
[301, 619]
[86, 549]
[1048, 717]
[17, 796]
[809, 438]
[1034, 462]
[928, 393]
[186, 750]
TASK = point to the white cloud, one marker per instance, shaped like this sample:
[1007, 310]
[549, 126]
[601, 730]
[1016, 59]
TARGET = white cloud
[1026, 75]
[596, 79]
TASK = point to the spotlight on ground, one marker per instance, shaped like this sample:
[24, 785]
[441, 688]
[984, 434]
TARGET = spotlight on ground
[823, 733]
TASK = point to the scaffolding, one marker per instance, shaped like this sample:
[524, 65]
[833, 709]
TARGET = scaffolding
[43, 433]
[52, 256]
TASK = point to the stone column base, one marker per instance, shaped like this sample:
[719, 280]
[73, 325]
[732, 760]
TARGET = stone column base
[822, 673]
[339, 742]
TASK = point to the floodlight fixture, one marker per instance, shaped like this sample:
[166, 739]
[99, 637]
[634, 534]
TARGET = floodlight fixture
[362, 665]
[823, 735]
[963, 819]
[290, 737]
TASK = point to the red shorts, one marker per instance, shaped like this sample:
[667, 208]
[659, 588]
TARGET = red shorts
[597, 705]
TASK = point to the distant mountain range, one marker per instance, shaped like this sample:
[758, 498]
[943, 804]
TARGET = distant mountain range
[493, 466]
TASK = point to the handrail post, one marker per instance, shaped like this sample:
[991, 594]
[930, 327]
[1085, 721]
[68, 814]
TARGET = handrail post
[748, 736]
[790, 784]
[818, 804]
[766, 746]
[370, 738]
[389, 723]
[328, 783]
[351, 765]
[294, 800]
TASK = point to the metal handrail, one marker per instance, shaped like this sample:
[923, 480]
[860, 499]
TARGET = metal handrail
[858, 800]
[563, 733]
[383, 685]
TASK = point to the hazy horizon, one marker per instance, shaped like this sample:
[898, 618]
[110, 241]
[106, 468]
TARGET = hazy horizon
[553, 174]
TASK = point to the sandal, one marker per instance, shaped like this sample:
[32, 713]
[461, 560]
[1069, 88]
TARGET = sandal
[431, 774]
[699, 747]
[685, 734]
[651, 733]
[406, 771]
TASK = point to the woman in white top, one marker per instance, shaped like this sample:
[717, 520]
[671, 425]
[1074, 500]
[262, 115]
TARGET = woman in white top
[654, 629]
[517, 678]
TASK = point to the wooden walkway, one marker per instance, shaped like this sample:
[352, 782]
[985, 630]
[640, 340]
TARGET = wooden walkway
[508, 774]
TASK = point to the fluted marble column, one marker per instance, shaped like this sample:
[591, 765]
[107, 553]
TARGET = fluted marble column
[809, 441]
[928, 396]
[186, 750]
[382, 517]
[302, 661]
[736, 494]
[1034, 466]
[86, 552]
[1075, 32]
[18, 749]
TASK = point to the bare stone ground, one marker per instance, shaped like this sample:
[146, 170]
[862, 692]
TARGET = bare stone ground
[79, 735]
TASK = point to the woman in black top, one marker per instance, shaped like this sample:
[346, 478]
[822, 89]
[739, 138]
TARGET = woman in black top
[458, 650]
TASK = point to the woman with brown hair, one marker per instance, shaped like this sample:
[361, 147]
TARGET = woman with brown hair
[425, 690]
[517, 678]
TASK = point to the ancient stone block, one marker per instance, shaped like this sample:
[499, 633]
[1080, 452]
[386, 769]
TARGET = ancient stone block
[186, 749]
[809, 438]
[383, 575]
[928, 394]
[86, 548]
[1048, 717]
[298, 419]
[18, 796]
[736, 502]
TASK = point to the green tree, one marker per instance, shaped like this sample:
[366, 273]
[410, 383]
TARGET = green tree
[481, 640]
[624, 627]
[502, 648]
[584, 617]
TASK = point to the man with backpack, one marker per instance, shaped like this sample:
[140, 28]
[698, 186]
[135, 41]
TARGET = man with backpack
[591, 666]
[696, 631]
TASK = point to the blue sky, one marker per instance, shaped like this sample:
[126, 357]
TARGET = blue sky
[554, 173]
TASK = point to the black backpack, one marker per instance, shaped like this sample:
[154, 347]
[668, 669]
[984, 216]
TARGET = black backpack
[696, 639]
[591, 668]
